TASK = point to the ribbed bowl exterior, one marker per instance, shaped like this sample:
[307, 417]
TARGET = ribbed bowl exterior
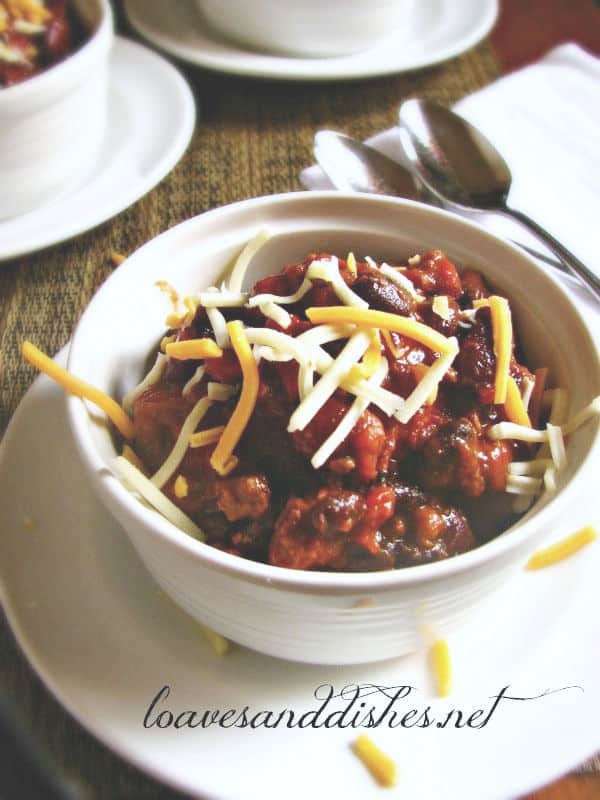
[346, 628]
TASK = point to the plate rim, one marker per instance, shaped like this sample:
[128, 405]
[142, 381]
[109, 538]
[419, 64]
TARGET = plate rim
[123, 200]
[276, 67]
[130, 754]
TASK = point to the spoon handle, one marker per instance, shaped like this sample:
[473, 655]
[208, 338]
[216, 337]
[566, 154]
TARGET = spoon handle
[572, 262]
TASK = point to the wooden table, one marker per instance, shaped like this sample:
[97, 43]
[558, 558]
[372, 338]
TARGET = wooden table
[253, 138]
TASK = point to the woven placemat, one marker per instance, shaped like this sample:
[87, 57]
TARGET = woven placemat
[252, 139]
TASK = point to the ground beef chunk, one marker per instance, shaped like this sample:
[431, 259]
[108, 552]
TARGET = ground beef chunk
[435, 275]
[379, 528]
[243, 496]
[458, 458]
[425, 528]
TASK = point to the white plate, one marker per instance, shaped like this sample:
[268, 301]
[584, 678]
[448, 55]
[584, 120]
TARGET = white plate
[105, 640]
[442, 29]
[151, 121]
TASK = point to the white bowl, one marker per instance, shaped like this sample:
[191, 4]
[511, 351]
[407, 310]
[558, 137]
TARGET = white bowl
[52, 125]
[311, 28]
[318, 616]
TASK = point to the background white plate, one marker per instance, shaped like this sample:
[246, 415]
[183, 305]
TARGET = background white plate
[105, 640]
[442, 29]
[151, 117]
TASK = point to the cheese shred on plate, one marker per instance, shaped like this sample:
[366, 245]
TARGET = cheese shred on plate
[380, 765]
[563, 549]
[79, 388]
[439, 657]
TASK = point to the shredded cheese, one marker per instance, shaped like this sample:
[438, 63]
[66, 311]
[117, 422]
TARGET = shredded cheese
[348, 421]
[381, 766]
[181, 487]
[401, 281]
[277, 314]
[221, 391]
[79, 388]
[502, 333]
[117, 258]
[328, 270]
[238, 272]
[177, 454]
[193, 349]
[261, 299]
[329, 381]
[385, 321]
[351, 264]
[514, 406]
[563, 549]
[439, 656]
[223, 452]
[194, 380]
[206, 437]
[218, 643]
[441, 307]
[428, 384]
[510, 430]
[153, 495]
[166, 287]
[224, 298]
[153, 376]
[133, 458]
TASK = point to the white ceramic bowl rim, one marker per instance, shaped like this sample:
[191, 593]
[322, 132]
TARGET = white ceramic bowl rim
[71, 64]
[303, 580]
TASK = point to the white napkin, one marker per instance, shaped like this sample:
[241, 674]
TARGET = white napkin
[545, 120]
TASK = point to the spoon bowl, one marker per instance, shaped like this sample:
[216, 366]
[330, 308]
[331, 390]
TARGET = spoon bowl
[456, 162]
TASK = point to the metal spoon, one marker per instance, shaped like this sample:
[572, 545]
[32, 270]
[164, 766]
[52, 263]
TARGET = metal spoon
[353, 166]
[460, 165]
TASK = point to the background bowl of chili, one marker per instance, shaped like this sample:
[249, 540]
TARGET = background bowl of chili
[52, 122]
[319, 616]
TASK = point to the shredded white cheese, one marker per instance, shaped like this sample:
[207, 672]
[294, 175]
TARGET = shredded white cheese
[195, 379]
[180, 447]
[329, 381]
[328, 270]
[221, 391]
[261, 299]
[153, 495]
[238, 272]
[151, 378]
[349, 420]
[276, 313]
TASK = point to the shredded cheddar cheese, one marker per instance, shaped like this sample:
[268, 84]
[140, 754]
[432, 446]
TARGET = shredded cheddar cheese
[502, 333]
[218, 643]
[234, 429]
[380, 765]
[193, 348]
[166, 287]
[181, 487]
[351, 262]
[439, 656]
[79, 388]
[385, 321]
[514, 405]
[563, 549]
[117, 258]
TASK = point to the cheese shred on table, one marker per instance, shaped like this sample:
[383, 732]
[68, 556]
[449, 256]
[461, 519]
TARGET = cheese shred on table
[563, 549]
[380, 765]
[79, 388]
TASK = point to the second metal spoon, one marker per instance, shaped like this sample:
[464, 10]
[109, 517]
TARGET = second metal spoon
[460, 165]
